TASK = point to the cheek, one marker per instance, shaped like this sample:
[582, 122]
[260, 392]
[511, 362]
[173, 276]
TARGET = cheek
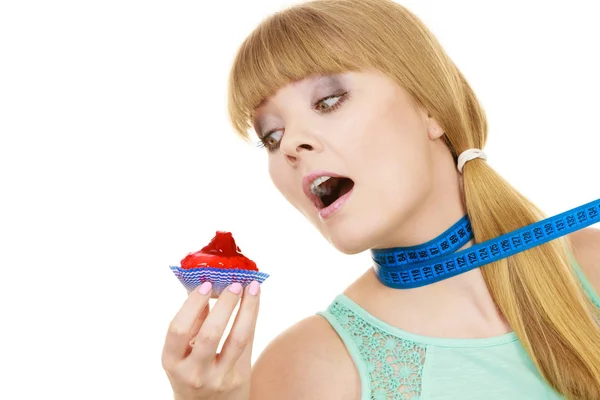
[386, 143]
[281, 177]
[395, 154]
[382, 129]
[275, 173]
[400, 136]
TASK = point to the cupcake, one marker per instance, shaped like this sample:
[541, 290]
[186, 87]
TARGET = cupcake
[221, 262]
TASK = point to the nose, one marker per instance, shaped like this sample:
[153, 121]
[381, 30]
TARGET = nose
[297, 143]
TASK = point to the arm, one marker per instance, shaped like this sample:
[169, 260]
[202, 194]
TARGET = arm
[307, 361]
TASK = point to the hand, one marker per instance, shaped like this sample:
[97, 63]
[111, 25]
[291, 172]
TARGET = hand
[190, 359]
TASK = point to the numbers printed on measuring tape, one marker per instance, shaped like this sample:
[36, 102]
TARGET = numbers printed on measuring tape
[438, 259]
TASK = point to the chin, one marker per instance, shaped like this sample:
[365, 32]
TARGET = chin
[348, 239]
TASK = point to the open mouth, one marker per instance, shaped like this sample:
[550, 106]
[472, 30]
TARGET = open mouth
[327, 190]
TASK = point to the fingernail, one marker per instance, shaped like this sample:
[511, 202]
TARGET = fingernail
[253, 288]
[205, 288]
[235, 288]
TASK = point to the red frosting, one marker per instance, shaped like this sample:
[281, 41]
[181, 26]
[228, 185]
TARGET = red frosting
[221, 252]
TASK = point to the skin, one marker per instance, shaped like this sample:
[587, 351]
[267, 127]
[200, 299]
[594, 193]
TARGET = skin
[375, 136]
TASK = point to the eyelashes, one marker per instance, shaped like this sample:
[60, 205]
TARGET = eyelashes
[271, 141]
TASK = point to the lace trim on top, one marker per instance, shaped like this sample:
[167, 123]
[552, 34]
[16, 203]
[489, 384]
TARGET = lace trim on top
[394, 365]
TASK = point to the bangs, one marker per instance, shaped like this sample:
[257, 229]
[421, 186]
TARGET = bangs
[292, 45]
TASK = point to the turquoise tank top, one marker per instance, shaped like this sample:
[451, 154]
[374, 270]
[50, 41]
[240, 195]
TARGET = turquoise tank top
[397, 365]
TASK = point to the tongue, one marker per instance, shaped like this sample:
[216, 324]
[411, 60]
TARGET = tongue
[338, 187]
[345, 186]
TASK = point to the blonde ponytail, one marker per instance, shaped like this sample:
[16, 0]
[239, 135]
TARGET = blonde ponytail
[537, 290]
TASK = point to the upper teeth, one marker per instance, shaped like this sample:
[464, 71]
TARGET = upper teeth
[318, 190]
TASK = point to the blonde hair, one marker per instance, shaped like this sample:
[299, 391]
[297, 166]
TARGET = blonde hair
[536, 290]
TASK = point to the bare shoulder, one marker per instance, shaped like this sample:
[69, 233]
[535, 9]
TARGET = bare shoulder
[306, 361]
[586, 250]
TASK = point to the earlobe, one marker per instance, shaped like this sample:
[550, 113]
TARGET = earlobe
[435, 131]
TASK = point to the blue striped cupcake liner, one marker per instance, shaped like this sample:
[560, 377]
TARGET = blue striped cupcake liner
[220, 278]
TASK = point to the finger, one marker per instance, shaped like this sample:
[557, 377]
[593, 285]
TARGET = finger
[208, 338]
[179, 333]
[199, 321]
[238, 346]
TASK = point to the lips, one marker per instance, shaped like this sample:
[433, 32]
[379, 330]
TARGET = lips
[308, 180]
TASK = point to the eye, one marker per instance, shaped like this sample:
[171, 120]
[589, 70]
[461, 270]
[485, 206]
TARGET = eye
[330, 103]
[271, 140]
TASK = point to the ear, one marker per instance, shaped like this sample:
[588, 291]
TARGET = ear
[434, 129]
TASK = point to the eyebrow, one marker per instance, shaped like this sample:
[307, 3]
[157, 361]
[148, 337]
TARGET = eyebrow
[331, 80]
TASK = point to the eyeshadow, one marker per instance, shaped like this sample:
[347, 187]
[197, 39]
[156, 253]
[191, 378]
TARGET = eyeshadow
[323, 83]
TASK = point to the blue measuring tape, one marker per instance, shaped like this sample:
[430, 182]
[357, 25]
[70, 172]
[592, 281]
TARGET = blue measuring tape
[438, 259]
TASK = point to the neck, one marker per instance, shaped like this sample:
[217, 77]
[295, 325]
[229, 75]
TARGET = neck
[442, 208]
[461, 306]
[462, 295]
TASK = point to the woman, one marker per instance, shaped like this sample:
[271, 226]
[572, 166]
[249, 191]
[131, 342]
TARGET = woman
[364, 117]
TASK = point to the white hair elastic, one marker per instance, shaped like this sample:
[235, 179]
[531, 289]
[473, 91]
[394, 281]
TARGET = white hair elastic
[468, 155]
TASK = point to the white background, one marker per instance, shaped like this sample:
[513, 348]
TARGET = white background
[113, 129]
